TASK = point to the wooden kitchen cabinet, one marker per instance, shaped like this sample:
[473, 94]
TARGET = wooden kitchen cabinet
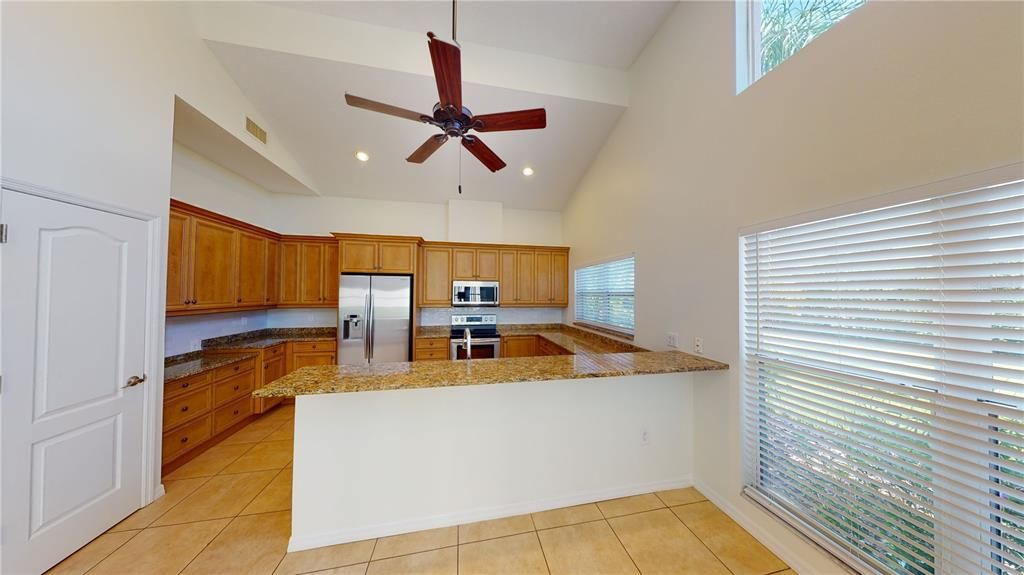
[377, 254]
[273, 273]
[431, 348]
[311, 273]
[435, 277]
[560, 278]
[518, 345]
[252, 269]
[507, 292]
[331, 273]
[214, 264]
[304, 354]
[179, 227]
[289, 282]
[542, 277]
[524, 277]
[475, 264]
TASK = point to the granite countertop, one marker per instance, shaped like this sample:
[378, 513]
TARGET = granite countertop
[189, 367]
[266, 341]
[428, 374]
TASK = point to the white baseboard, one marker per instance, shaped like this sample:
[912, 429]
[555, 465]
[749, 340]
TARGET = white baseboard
[481, 514]
[797, 561]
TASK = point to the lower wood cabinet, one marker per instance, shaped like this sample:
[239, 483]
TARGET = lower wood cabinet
[308, 353]
[529, 346]
[431, 348]
[199, 407]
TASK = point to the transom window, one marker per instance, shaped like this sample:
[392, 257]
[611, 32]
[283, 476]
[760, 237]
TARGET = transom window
[770, 31]
[605, 294]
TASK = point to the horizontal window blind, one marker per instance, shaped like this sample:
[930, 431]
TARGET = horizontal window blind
[605, 294]
[884, 381]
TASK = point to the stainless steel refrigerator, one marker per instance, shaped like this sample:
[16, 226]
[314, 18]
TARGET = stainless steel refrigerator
[374, 319]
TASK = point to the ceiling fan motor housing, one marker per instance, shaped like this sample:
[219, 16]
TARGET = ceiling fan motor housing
[453, 123]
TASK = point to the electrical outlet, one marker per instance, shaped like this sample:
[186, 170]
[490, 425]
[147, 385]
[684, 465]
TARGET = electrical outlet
[673, 340]
[195, 345]
[698, 345]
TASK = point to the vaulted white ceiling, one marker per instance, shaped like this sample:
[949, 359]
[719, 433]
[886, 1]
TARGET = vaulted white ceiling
[295, 63]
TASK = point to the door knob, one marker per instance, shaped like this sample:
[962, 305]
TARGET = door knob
[134, 380]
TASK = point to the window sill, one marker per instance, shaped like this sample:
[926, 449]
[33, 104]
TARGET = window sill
[605, 330]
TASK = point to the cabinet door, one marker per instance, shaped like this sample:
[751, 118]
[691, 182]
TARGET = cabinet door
[273, 268]
[311, 271]
[396, 257]
[252, 269]
[560, 278]
[289, 291]
[308, 358]
[214, 260]
[487, 265]
[507, 293]
[435, 277]
[178, 238]
[463, 263]
[358, 256]
[524, 276]
[519, 346]
[331, 270]
[542, 278]
[273, 368]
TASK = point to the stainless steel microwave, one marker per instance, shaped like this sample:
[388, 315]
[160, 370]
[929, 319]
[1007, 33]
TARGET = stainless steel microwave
[474, 293]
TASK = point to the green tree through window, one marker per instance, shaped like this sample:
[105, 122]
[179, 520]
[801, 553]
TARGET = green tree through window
[789, 25]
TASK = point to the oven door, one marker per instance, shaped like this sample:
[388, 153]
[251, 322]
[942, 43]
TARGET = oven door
[488, 348]
[474, 294]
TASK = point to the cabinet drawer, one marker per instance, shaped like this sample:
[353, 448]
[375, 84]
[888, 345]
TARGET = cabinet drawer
[313, 346]
[191, 383]
[186, 437]
[425, 354]
[432, 343]
[234, 387]
[186, 407]
[230, 414]
[230, 370]
[272, 352]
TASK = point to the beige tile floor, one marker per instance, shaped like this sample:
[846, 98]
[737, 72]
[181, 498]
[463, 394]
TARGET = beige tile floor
[229, 511]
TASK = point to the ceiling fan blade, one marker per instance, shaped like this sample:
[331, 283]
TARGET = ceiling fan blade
[447, 61]
[534, 119]
[384, 108]
[482, 153]
[427, 149]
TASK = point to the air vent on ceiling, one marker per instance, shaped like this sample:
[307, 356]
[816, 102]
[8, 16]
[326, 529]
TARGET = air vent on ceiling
[255, 129]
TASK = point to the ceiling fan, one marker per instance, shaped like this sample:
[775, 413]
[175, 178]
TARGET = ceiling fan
[454, 119]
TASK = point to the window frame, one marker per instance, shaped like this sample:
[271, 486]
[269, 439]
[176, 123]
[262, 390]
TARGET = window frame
[609, 329]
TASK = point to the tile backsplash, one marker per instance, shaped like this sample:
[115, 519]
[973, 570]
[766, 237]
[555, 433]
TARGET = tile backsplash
[506, 315]
[186, 333]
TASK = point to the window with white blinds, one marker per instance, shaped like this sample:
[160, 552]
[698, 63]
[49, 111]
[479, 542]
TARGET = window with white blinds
[605, 294]
[884, 382]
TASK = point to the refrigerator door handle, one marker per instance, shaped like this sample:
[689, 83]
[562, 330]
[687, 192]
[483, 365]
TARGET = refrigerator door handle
[373, 327]
[367, 323]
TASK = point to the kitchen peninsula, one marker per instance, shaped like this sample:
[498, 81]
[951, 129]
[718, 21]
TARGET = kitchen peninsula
[392, 448]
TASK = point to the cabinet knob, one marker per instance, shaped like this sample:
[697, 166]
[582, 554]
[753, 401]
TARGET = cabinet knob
[185, 385]
[239, 300]
[236, 412]
[184, 439]
[237, 367]
[184, 408]
[236, 388]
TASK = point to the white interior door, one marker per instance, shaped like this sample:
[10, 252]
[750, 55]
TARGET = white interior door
[73, 312]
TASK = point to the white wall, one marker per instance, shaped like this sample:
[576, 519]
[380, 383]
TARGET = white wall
[491, 451]
[200, 182]
[895, 95]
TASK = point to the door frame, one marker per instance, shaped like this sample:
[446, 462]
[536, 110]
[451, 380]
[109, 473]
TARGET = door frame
[152, 413]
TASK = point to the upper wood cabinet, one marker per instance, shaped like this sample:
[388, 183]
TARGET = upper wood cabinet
[179, 246]
[273, 275]
[542, 277]
[214, 264]
[252, 269]
[435, 277]
[309, 273]
[560, 278]
[475, 264]
[507, 292]
[524, 277]
[377, 254]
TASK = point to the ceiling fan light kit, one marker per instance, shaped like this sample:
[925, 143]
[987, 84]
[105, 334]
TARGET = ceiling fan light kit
[449, 115]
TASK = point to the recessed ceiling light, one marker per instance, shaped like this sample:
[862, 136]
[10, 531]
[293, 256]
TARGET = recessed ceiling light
[362, 156]
[527, 171]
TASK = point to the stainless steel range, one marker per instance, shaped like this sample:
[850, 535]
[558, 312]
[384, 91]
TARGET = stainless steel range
[475, 336]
